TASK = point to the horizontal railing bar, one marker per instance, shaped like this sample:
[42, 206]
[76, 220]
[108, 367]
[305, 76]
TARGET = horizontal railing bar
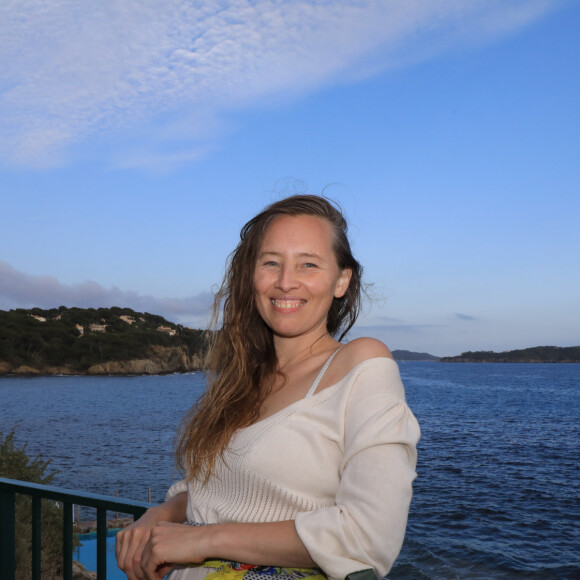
[64, 495]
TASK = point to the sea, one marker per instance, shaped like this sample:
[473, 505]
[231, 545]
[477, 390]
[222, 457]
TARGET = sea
[497, 494]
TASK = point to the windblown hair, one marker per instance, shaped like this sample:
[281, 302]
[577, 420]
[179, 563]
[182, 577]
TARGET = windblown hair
[242, 352]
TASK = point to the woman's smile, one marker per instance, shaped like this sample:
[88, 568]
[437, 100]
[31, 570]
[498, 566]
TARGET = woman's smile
[287, 305]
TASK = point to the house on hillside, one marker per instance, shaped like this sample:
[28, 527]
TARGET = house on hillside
[98, 327]
[169, 331]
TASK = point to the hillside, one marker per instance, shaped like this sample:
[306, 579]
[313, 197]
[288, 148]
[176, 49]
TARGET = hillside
[538, 354]
[95, 341]
[407, 355]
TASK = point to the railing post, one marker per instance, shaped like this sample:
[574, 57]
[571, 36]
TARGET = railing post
[67, 541]
[101, 544]
[36, 537]
[7, 535]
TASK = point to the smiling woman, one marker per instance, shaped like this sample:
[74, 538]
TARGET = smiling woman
[302, 449]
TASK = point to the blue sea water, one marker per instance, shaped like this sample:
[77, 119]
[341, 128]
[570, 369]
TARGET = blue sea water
[497, 493]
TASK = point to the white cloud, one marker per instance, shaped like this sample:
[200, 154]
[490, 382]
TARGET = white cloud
[20, 290]
[70, 70]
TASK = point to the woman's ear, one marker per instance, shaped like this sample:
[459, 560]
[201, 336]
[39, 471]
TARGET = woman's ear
[343, 282]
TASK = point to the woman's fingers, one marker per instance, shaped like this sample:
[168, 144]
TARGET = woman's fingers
[168, 545]
[129, 549]
[145, 552]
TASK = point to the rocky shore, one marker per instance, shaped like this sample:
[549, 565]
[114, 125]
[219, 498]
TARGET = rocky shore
[88, 526]
[81, 573]
[161, 360]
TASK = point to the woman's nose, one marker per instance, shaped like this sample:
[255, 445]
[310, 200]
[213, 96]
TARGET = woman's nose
[287, 279]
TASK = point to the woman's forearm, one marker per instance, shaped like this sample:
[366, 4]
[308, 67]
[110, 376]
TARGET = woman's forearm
[267, 544]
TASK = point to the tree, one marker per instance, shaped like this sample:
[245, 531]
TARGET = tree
[15, 463]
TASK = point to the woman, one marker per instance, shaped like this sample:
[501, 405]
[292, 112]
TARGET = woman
[302, 452]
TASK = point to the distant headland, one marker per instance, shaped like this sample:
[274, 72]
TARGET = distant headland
[407, 355]
[96, 341]
[538, 354]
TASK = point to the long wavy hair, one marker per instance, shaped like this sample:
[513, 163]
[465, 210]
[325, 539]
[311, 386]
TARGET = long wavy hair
[241, 353]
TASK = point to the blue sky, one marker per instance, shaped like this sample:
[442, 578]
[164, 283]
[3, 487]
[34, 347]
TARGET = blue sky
[137, 138]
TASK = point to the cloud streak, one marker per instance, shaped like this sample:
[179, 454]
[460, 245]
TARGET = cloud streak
[20, 290]
[71, 71]
[465, 317]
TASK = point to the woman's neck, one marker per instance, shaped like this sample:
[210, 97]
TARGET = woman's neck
[292, 350]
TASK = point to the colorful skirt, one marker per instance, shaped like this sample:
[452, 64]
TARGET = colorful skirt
[226, 570]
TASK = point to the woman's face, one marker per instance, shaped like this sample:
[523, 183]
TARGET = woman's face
[296, 275]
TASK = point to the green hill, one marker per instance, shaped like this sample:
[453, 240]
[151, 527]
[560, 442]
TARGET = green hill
[96, 341]
[407, 355]
[538, 354]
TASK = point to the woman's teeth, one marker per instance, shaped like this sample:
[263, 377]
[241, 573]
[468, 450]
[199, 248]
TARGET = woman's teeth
[287, 304]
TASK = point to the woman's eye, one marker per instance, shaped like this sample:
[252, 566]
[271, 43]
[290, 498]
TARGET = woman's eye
[270, 263]
[309, 265]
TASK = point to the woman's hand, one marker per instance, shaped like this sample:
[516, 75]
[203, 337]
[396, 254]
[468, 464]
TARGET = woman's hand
[132, 540]
[170, 544]
[130, 544]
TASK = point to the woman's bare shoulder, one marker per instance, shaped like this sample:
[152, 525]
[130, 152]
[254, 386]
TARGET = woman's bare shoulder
[361, 349]
[352, 354]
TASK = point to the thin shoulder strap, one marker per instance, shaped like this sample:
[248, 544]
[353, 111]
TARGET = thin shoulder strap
[317, 380]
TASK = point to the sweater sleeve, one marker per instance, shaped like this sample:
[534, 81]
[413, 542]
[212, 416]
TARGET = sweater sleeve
[177, 487]
[366, 526]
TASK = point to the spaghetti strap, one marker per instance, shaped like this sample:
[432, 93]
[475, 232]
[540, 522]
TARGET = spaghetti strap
[317, 380]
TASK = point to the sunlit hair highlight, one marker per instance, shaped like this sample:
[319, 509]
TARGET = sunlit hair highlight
[242, 351]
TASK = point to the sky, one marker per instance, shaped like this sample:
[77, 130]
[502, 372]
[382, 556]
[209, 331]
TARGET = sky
[136, 138]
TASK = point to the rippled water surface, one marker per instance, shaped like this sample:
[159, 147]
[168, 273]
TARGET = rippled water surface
[497, 494]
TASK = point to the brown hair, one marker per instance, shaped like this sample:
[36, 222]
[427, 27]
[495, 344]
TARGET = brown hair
[242, 352]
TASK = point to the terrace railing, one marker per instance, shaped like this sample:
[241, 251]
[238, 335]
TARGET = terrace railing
[103, 503]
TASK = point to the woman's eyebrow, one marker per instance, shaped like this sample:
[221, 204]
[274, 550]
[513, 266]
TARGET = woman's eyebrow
[299, 254]
[310, 255]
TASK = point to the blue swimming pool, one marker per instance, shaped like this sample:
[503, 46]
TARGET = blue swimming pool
[87, 555]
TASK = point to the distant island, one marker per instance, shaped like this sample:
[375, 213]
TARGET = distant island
[96, 341]
[538, 354]
[407, 355]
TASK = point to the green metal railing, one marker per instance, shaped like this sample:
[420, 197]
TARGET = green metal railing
[103, 503]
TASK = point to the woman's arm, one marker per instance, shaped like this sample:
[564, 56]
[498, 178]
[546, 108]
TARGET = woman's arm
[132, 540]
[366, 526]
[275, 544]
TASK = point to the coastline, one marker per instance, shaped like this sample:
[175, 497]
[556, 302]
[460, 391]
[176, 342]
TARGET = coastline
[138, 367]
[90, 526]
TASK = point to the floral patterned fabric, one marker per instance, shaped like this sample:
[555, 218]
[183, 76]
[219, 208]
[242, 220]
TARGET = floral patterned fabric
[226, 570]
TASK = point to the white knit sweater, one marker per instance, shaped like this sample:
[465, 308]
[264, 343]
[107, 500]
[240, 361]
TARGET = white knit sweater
[340, 463]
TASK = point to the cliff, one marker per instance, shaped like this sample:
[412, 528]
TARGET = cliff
[161, 360]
